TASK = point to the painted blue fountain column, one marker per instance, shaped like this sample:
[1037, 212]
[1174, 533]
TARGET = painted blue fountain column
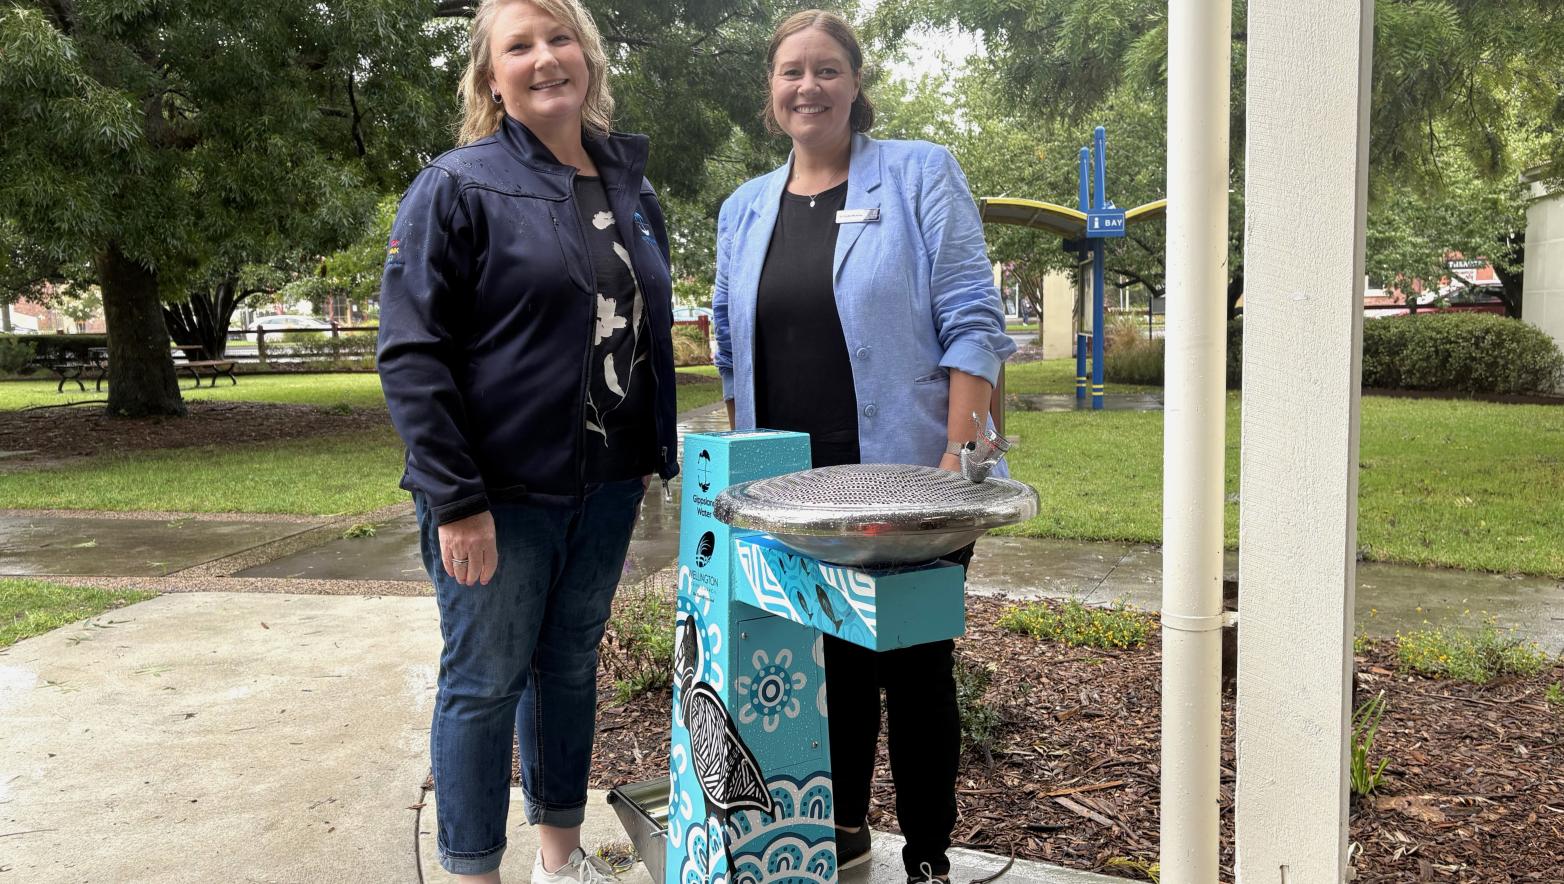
[749, 760]
[750, 798]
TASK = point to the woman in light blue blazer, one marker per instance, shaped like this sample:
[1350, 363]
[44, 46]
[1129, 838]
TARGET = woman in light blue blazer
[855, 302]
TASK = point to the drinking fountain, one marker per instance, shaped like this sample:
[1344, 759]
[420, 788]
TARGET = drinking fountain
[773, 556]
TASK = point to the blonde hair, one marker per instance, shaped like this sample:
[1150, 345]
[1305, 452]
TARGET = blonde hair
[861, 117]
[481, 114]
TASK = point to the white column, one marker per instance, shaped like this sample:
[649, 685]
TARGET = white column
[1307, 174]
[1543, 305]
[1199, 67]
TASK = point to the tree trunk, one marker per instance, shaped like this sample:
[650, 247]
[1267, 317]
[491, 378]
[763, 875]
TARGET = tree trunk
[141, 370]
[205, 318]
[1512, 283]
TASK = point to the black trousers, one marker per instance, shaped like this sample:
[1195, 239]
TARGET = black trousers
[923, 733]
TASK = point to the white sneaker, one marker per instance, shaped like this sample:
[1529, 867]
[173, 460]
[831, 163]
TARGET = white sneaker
[578, 868]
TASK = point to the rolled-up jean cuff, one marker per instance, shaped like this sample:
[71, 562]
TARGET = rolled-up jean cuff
[539, 814]
[472, 863]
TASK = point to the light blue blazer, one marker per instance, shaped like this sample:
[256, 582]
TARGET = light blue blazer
[914, 290]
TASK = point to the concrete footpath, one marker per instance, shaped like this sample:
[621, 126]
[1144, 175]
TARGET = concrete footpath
[256, 737]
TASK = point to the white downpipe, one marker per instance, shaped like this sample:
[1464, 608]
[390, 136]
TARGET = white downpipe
[1194, 438]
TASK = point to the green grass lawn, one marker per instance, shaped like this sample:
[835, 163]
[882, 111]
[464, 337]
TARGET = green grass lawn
[700, 394]
[1452, 483]
[353, 473]
[359, 389]
[320, 476]
[1455, 483]
[33, 607]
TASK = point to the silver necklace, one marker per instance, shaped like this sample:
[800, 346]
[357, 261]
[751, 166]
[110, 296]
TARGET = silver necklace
[817, 196]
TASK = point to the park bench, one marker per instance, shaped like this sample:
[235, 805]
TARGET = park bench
[195, 361]
[69, 365]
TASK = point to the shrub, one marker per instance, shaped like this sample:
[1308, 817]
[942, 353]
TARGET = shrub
[347, 351]
[1364, 774]
[1477, 658]
[689, 346]
[1460, 352]
[1140, 362]
[65, 348]
[1136, 360]
[1075, 623]
[979, 721]
[637, 648]
[15, 354]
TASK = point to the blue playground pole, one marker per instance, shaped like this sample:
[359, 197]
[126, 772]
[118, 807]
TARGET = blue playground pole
[1080, 366]
[1081, 338]
[1101, 143]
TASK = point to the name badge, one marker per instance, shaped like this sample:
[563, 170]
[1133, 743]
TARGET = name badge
[857, 216]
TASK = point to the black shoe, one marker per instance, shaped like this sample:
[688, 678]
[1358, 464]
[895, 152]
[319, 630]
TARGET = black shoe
[852, 848]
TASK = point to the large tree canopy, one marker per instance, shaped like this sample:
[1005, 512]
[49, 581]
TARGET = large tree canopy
[156, 141]
[1465, 96]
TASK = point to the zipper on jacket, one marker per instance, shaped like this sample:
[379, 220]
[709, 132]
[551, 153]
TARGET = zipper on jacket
[651, 335]
[661, 462]
[586, 360]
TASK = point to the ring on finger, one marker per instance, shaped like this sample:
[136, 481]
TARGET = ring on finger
[459, 561]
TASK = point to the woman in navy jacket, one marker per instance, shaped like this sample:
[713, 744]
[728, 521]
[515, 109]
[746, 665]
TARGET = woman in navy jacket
[526, 358]
[854, 302]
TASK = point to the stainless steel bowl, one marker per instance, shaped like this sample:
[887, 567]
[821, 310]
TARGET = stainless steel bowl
[875, 514]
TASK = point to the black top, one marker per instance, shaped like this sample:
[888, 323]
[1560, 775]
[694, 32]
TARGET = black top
[803, 376]
[620, 436]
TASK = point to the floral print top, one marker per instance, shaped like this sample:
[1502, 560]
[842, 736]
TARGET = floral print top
[620, 432]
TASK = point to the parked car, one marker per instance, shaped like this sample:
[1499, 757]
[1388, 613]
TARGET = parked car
[286, 322]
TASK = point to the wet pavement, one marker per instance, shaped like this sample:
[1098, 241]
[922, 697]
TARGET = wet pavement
[71, 545]
[1053, 402]
[392, 554]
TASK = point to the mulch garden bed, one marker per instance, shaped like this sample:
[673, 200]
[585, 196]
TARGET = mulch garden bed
[87, 430]
[1474, 791]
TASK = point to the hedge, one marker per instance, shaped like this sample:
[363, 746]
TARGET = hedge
[1460, 352]
[1457, 352]
[51, 348]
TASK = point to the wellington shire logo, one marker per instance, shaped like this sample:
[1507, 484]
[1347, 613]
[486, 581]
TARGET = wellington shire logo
[704, 548]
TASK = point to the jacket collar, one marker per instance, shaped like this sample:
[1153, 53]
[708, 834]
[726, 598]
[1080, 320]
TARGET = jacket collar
[620, 158]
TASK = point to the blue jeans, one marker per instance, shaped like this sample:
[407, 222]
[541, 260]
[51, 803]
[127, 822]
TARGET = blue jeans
[520, 656]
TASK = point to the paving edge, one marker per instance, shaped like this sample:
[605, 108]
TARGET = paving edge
[309, 538]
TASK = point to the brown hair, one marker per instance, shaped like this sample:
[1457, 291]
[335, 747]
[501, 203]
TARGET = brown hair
[481, 114]
[861, 118]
